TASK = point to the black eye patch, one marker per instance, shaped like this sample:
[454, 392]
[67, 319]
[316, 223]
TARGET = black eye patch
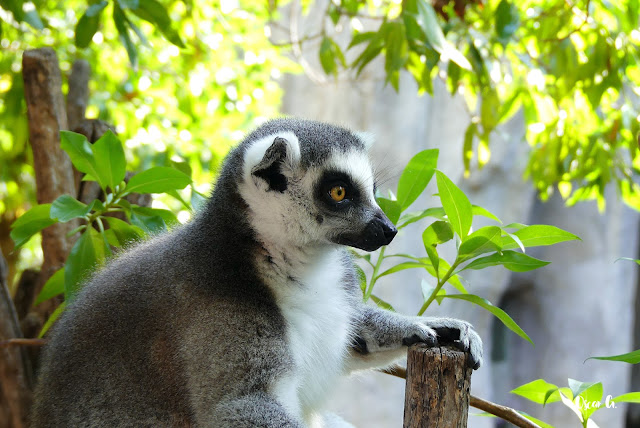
[332, 179]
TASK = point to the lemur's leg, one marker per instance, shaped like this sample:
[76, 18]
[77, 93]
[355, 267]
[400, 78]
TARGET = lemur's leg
[382, 336]
[250, 411]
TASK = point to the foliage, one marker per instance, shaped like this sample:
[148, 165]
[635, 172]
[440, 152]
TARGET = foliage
[173, 104]
[475, 249]
[572, 68]
[101, 231]
[582, 398]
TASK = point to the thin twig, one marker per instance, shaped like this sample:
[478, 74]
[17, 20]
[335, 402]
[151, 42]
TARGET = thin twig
[503, 412]
[22, 342]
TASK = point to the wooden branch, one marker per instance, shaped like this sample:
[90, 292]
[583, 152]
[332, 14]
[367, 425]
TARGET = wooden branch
[503, 412]
[53, 169]
[22, 342]
[15, 373]
[437, 391]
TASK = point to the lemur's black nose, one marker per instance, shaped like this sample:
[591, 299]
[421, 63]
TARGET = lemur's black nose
[388, 229]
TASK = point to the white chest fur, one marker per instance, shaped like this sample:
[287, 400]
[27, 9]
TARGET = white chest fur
[316, 309]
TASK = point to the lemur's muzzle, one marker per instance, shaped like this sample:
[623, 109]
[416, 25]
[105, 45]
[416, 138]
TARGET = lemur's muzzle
[378, 232]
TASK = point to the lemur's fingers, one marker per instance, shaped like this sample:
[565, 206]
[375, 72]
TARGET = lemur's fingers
[459, 334]
[420, 333]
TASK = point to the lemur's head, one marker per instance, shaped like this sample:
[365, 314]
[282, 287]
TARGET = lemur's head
[310, 183]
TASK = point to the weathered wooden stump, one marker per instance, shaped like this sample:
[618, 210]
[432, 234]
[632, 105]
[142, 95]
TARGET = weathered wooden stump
[437, 391]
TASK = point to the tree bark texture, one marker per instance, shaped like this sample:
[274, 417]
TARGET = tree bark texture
[78, 94]
[437, 391]
[15, 376]
[53, 169]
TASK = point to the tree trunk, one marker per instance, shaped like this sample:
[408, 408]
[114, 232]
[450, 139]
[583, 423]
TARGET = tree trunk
[15, 376]
[437, 391]
[54, 173]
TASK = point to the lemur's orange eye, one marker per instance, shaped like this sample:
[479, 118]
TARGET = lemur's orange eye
[338, 193]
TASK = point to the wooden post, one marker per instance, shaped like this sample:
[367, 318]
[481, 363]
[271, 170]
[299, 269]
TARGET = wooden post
[437, 391]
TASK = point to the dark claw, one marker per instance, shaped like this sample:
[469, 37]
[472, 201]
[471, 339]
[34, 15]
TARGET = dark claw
[429, 341]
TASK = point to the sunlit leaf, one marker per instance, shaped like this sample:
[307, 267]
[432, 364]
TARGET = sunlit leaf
[483, 240]
[538, 235]
[66, 208]
[416, 177]
[496, 311]
[537, 390]
[52, 288]
[157, 180]
[455, 204]
[514, 261]
[110, 160]
[30, 223]
[631, 357]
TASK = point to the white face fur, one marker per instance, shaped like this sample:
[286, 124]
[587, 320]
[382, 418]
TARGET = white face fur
[304, 212]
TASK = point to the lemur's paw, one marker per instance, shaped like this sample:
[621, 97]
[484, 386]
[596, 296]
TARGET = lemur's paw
[419, 332]
[460, 334]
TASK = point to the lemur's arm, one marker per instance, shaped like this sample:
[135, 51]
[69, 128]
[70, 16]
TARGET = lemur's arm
[382, 337]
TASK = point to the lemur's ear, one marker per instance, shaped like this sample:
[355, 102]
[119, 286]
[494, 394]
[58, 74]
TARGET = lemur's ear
[270, 167]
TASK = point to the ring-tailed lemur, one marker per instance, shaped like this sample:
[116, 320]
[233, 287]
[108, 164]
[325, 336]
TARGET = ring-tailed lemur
[247, 315]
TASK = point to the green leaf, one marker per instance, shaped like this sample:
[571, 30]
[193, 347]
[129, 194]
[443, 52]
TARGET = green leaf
[157, 180]
[535, 420]
[631, 357]
[52, 288]
[578, 387]
[437, 233]
[538, 235]
[428, 21]
[432, 252]
[155, 13]
[586, 393]
[496, 311]
[427, 291]
[630, 397]
[89, 251]
[88, 24]
[455, 204]
[120, 21]
[80, 152]
[371, 51]
[507, 21]
[150, 224]
[416, 177]
[483, 240]
[514, 261]
[391, 209]
[198, 200]
[403, 266]
[362, 278]
[327, 56]
[66, 208]
[629, 259]
[52, 319]
[467, 148]
[407, 219]
[478, 210]
[124, 232]
[396, 52]
[382, 304]
[110, 160]
[537, 390]
[30, 223]
[167, 216]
